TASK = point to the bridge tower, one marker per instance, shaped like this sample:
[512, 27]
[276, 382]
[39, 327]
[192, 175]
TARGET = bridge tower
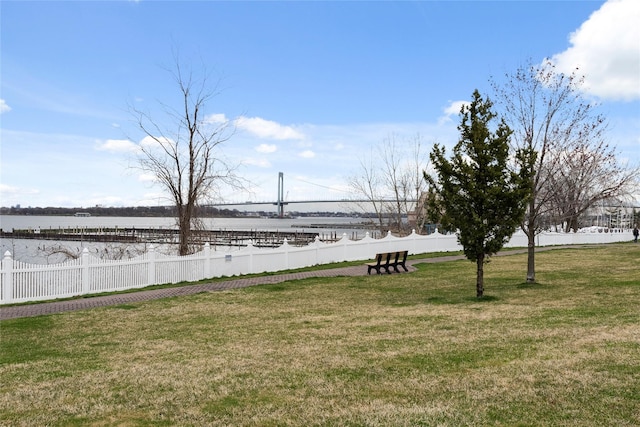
[280, 203]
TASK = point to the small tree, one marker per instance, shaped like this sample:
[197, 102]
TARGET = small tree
[181, 150]
[480, 194]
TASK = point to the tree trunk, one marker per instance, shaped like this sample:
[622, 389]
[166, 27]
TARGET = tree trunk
[480, 276]
[184, 224]
[531, 256]
[573, 224]
[530, 231]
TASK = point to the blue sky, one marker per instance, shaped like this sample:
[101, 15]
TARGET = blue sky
[311, 86]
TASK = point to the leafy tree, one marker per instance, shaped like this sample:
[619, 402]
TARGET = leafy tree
[479, 192]
[181, 150]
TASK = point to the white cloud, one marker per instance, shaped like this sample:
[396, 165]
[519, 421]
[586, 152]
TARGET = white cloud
[4, 188]
[453, 109]
[147, 177]
[117, 146]
[152, 199]
[267, 129]
[11, 195]
[216, 118]
[266, 148]
[149, 142]
[307, 154]
[261, 163]
[9, 189]
[606, 50]
[4, 108]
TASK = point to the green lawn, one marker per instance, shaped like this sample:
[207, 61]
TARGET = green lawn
[401, 350]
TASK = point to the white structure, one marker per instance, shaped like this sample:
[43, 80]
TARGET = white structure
[23, 282]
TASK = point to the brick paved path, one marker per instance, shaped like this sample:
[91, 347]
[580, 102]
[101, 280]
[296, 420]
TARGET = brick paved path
[38, 309]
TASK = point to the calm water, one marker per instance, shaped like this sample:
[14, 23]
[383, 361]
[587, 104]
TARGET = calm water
[9, 222]
[47, 251]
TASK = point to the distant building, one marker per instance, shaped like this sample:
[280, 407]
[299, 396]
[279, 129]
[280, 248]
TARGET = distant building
[612, 214]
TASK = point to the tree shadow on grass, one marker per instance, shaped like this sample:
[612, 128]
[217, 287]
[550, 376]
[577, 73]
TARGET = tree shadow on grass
[527, 285]
[451, 300]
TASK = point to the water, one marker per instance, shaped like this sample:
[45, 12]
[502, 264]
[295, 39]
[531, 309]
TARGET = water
[50, 252]
[9, 222]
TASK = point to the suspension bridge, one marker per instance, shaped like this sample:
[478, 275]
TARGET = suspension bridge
[283, 201]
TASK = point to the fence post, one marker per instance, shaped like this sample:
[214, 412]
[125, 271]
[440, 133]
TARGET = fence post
[367, 237]
[152, 265]
[316, 243]
[85, 271]
[285, 245]
[344, 246]
[413, 237]
[250, 250]
[207, 261]
[7, 279]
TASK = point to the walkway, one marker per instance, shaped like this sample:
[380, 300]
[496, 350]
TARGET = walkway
[83, 303]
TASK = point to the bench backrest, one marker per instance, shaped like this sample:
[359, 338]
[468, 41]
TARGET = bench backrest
[385, 258]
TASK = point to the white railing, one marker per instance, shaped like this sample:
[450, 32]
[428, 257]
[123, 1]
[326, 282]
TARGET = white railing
[23, 282]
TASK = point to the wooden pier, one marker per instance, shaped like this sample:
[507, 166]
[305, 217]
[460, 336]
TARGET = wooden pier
[167, 236]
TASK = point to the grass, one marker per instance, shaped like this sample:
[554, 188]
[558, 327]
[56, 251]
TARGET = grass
[401, 350]
[225, 278]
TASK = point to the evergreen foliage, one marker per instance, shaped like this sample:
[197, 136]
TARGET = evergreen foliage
[477, 192]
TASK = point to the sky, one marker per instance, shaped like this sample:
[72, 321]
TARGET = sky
[311, 88]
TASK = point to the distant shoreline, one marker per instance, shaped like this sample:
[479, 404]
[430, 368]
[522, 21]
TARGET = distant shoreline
[156, 211]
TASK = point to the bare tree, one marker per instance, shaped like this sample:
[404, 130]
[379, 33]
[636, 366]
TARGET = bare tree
[416, 183]
[585, 176]
[391, 180]
[368, 185]
[396, 181]
[58, 252]
[548, 116]
[181, 150]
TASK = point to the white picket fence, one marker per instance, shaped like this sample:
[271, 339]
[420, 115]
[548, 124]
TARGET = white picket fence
[23, 282]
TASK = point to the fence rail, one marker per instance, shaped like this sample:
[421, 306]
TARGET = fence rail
[23, 282]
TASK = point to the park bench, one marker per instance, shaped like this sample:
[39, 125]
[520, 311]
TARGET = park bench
[387, 261]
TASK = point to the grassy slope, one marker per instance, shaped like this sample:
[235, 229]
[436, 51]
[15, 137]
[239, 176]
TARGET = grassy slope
[404, 350]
